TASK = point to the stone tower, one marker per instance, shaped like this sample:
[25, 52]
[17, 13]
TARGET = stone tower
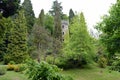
[65, 29]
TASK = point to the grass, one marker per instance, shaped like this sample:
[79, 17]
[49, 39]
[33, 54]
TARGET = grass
[11, 75]
[94, 73]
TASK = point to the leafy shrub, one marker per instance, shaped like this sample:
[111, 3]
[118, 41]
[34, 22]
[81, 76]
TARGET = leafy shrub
[16, 68]
[2, 70]
[44, 71]
[22, 67]
[73, 61]
[115, 64]
[10, 67]
[7, 58]
[11, 62]
[102, 61]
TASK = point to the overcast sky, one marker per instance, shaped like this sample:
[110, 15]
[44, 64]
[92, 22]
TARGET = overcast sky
[92, 9]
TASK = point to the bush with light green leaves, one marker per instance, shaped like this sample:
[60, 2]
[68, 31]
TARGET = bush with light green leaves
[44, 71]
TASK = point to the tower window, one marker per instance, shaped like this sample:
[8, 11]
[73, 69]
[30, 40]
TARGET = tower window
[62, 26]
[63, 33]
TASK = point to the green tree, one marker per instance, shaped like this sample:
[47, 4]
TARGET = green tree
[79, 49]
[42, 41]
[57, 30]
[56, 12]
[64, 17]
[71, 15]
[8, 7]
[41, 18]
[110, 28]
[7, 25]
[2, 27]
[17, 48]
[49, 23]
[29, 14]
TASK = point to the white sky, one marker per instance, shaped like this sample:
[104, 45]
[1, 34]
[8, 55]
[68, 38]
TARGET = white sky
[92, 9]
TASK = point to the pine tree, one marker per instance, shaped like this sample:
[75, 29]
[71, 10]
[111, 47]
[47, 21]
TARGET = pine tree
[8, 7]
[41, 18]
[17, 48]
[56, 12]
[29, 14]
[71, 15]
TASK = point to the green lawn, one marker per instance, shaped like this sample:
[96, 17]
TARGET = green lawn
[77, 74]
[11, 75]
[92, 74]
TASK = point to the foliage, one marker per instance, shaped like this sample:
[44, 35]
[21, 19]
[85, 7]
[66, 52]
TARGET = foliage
[56, 12]
[49, 23]
[41, 21]
[41, 40]
[10, 67]
[20, 67]
[102, 61]
[9, 7]
[2, 70]
[64, 17]
[29, 14]
[79, 49]
[11, 62]
[17, 46]
[71, 15]
[110, 28]
[43, 71]
[5, 28]
[115, 63]
[2, 28]
[16, 68]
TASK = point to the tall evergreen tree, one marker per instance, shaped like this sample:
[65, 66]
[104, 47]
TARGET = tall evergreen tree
[71, 15]
[17, 48]
[2, 27]
[29, 14]
[41, 18]
[56, 12]
[9, 7]
[7, 25]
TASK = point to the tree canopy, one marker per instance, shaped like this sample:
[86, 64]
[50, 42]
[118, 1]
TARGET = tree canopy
[9, 7]
[110, 28]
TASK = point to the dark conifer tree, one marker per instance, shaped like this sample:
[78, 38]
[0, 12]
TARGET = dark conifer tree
[29, 14]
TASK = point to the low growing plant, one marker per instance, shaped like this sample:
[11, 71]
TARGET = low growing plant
[102, 61]
[43, 71]
[2, 70]
[10, 67]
